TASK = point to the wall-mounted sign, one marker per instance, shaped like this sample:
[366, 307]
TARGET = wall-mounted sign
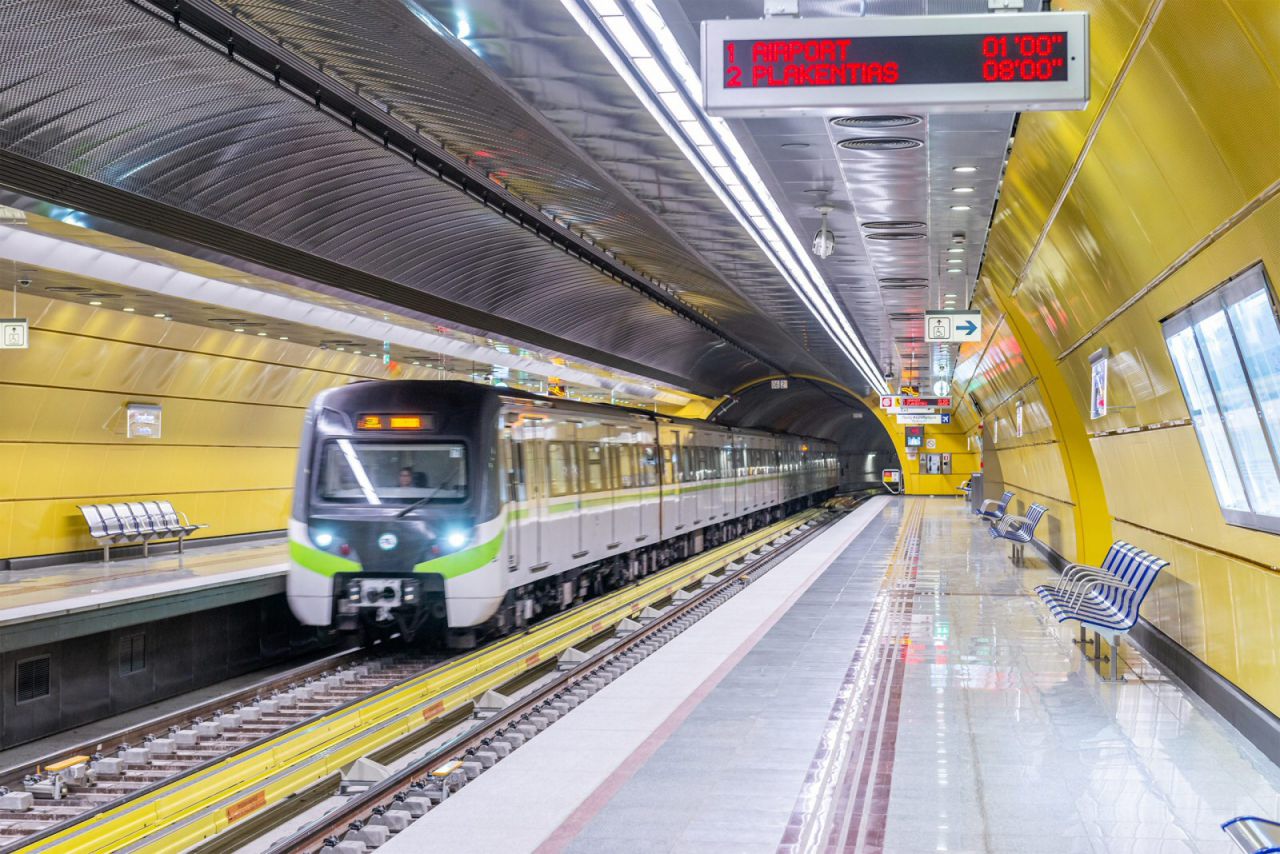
[932, 63]
[14, 333]
[777, 384]
[941, 387]
[952, 326]
[914, 437]
[142, 420]
[931, 444]
[555, 387]
[1098, 383]
[924, 417]
[891, 476]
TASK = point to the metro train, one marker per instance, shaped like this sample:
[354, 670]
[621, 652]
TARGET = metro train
[453, 512]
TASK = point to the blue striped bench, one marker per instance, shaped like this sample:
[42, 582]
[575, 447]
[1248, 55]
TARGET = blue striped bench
[1254, 835]
[1107, 598]
[992, 509]
[1019, 530]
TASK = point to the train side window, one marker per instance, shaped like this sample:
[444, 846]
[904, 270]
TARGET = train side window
[1225, 350]
[649, 465]
[625, 465]
[560, 468]
[594, 469]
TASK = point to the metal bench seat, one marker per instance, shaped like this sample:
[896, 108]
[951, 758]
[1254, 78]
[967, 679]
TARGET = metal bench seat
[136, 521]
[1019, 530]
[1254, 835]
[993, 509]
[1107, 598]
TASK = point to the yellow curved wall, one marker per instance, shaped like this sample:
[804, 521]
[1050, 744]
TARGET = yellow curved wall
[1110, 220]
[232, 415]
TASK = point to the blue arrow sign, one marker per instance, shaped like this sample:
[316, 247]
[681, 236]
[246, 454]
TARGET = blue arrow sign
[968, 327]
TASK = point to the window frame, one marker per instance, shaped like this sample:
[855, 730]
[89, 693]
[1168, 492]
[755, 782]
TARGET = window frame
[1220, 299]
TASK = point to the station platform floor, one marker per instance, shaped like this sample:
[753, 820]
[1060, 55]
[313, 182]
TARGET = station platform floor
[895, 686]
[81, 598]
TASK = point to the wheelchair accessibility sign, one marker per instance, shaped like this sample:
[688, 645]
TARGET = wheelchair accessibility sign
[14, 333]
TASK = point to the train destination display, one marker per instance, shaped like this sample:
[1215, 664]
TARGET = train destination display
[934, 62]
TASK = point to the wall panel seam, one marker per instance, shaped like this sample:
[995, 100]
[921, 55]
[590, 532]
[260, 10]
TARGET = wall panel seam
[1153, 12]
[146, 394]
[1202, 547]
[1040, 494]
[162, 494]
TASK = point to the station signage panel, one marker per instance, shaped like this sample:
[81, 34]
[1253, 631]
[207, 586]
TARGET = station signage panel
[828, 66]
[952, 327]
[14, 333]
[896, 402]
[924, 417]
[891, 475]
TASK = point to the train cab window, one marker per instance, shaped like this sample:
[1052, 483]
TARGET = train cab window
[562, 468]
[373, 472]
[1226, 352]
[593, 457]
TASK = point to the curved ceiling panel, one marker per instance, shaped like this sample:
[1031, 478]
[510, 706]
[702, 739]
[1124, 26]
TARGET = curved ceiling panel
[108, 93]
[807, 408]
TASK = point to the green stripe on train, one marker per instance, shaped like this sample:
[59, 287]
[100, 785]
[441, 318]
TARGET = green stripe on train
[467, 560]
[318, 561]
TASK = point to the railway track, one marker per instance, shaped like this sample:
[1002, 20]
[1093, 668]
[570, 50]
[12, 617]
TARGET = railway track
[89, 776]
[173, 808]
[372, 817]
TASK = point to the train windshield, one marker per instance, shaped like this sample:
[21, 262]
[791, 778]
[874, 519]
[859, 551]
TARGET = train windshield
[356, 472]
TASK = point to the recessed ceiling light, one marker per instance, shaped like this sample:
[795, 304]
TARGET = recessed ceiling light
[238, 329]
[358, 352]
[960, 207]
[95, 302]
[161, 314]
[262, 335]
[955, 249]
[964, 169]
[342, 348]
[795, 145]
[129, 309]
[962, 189]
[954, 270]
[284, 337]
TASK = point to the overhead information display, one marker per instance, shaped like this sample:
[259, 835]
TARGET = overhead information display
[826, 66]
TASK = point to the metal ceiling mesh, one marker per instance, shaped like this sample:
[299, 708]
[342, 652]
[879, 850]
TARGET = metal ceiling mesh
[104, 91]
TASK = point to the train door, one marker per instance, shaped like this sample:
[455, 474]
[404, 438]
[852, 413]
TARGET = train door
[649, 517]
[579, 527]
[531, 450]
[516, 497]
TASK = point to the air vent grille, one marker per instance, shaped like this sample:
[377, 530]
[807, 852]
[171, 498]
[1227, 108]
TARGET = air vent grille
[875, 121]
[894, 224]
[879, 143]
[32, 679]
[895, 235]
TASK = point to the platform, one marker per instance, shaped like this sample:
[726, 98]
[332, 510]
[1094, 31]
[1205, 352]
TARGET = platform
[893, 687]
[40, 606]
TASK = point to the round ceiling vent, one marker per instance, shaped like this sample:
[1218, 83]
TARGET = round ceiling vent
[894, 224]
[895, 235]
[875, 121]
[879, 143]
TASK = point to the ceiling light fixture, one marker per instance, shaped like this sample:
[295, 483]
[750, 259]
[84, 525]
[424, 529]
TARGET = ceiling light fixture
[238, 329]
[95, 302]
[964, 170]
[956, 249]
[636, 41]
[161, 314]
[962, 189]
[960, 207]
[824, 242]
[130, 310]
[284, 337]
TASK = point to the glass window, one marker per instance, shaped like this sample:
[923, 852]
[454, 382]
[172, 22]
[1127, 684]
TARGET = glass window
[649, 465]
[561, 471]
[594, 469]
[359, 472]
[1226, 352]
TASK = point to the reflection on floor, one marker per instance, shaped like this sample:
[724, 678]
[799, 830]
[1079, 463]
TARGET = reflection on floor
[915, 697]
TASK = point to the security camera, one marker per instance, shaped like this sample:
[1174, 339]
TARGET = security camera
[824, 242]
[24, 282]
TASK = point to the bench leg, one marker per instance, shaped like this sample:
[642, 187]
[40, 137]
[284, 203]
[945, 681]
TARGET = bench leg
[146, 545]
[181, 539]
[106, 552]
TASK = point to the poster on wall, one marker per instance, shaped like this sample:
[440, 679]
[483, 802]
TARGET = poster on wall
[1098, 384]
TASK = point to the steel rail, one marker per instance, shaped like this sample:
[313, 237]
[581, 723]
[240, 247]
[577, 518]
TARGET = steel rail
[183, 811]
[318, 835]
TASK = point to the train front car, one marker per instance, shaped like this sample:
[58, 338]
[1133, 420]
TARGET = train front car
[396, 523]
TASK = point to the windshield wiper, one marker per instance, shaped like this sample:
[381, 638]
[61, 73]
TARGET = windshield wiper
[424, 499]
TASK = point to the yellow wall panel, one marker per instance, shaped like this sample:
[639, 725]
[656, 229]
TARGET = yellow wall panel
[232, 414]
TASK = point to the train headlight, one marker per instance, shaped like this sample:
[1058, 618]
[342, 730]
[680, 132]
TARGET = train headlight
[353, 591]
[456, 539]
[323, 539]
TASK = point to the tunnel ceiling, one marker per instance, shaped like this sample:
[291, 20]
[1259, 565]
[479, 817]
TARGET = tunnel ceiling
[807, 408]
[114, 110]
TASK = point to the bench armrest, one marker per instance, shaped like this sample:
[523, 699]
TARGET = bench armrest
[1010, 523]
[1074, 571]
[1077, 595]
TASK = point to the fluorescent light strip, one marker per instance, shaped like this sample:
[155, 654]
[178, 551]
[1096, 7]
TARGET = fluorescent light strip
[41, 250]
[681, 116]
